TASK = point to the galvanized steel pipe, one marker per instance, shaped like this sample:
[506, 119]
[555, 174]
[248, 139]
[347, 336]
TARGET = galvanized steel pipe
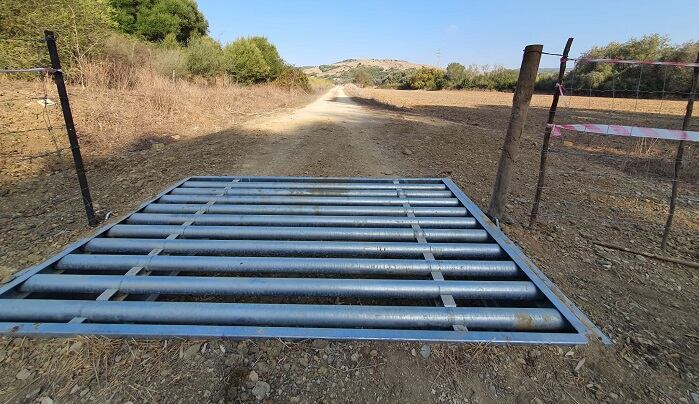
[309, 192]
[302, 210]
[474, 269]
[282, 315]
[303, 287]
[303, 220]
[285, 248]
[308, 200]
[298, 233]
[314, 185]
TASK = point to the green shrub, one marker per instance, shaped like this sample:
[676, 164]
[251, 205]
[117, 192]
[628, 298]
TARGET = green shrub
[456, 73]
[325, 68]
[292, 77]
[155, 19]
[80, 31]
[362, 78]
[171, 62]
[428, 78]
[244, 61]
[204, 56]
[270, 55]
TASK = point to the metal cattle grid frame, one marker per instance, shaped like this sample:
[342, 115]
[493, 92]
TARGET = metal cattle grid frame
[297, 257]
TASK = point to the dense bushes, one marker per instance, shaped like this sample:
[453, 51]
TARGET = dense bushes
[292, 77]
[153, 20]
[623, 79]
[175, 44]
[428, 78]
[78, 28]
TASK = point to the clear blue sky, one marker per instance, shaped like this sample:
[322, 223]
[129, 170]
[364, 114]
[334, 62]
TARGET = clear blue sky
[484, 32]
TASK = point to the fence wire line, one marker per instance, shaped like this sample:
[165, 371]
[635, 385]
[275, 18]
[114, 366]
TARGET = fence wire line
[634, 195]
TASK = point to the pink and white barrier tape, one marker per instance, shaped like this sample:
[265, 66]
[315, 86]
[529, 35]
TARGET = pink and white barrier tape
[635, 131]
[638, 62]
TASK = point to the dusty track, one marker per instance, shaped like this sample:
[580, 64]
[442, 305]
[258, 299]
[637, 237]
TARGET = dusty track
[648, 308]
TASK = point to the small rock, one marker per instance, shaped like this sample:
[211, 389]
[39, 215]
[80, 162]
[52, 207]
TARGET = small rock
[425, 351]
[75, 347]
[374, 353]
[407, 151]
[640, 258]
[261, 390]
[158, 146]
[549, 238]
[45, 400]
[537, 400]
[695, 397]
[604, 263]
[192, 351]
[253, 376]
[413, 352]
[613, 396]
[355, 357]
[23, 374]
[580, 364]
[534, 353]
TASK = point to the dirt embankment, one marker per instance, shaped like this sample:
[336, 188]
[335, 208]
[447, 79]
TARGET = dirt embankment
[646, 307]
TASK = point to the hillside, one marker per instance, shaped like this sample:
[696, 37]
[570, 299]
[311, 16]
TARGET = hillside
[344, 70]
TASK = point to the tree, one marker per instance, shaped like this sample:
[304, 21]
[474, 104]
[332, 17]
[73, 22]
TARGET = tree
[155, 19]
[81, 26]
[428, 78]
[204, 56]
[456, 73]
[292, 77]
[625, 79]
[270, 54]
[244, 61]
[362, 78]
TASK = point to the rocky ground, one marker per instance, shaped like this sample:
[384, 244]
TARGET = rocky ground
[647, 307]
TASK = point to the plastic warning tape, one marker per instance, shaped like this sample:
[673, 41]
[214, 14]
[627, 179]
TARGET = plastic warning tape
[620, 130]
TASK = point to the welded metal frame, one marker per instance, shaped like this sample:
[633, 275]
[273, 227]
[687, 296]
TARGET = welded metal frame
[583, 327]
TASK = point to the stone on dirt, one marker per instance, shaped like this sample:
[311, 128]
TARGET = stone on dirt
[261, 389]
[407, 151]
[23, 374]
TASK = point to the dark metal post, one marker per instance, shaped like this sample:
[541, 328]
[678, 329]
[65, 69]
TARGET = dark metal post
[510, 149]
[70, 127]
[547, 133]
[678, 157]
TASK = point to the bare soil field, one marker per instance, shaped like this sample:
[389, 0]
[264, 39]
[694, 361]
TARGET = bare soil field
[647, 307]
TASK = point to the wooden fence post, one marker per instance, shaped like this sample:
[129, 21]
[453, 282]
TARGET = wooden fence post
[520, 104]
[547, 132]
[678, 156]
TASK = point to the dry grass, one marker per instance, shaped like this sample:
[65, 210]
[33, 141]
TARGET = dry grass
[493, 98]
[122, 118]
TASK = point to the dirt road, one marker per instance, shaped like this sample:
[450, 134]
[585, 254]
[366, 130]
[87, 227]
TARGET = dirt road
[637, 303]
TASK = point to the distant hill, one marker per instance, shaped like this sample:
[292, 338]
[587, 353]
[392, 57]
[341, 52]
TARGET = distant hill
[343, 71]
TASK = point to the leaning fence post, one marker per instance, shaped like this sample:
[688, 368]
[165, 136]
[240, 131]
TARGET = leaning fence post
[678, 156]
[70, 126]
[520, 104]
[547, 132]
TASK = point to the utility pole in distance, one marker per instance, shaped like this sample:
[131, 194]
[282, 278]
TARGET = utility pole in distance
[70, 126]
[520, 105]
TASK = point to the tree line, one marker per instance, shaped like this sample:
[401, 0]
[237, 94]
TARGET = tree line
[168, 35]
[597, 79]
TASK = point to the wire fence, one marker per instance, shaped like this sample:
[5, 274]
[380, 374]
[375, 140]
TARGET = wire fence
[620, 185]
[37, 162]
